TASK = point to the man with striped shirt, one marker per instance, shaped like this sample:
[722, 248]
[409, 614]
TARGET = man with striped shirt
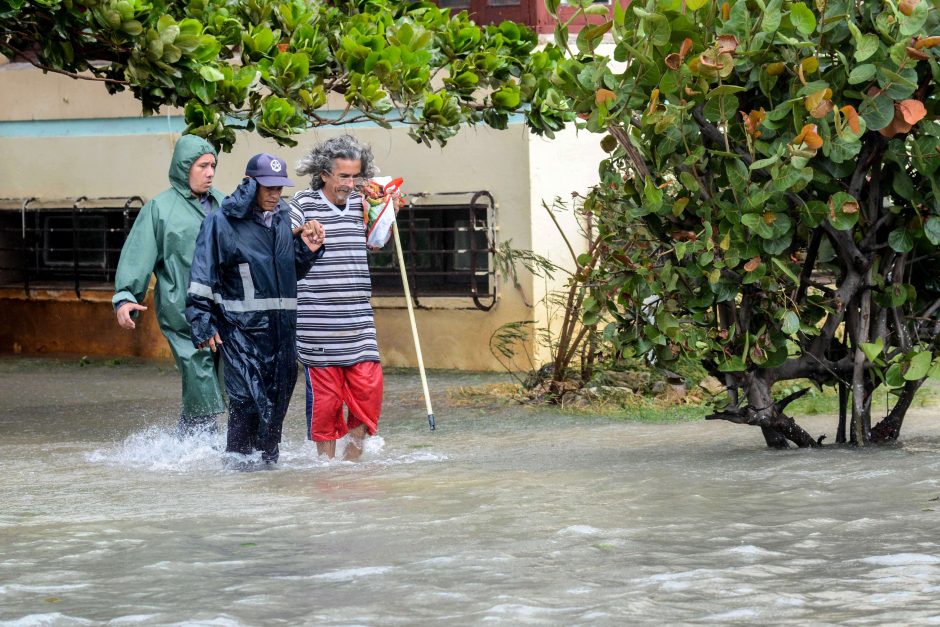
[335, 325]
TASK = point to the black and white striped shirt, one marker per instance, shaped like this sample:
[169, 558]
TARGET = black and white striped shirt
[335, 324]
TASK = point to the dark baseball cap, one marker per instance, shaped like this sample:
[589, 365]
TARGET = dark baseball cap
[268, 170]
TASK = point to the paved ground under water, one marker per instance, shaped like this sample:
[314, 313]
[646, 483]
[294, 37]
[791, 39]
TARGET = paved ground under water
[504, 515]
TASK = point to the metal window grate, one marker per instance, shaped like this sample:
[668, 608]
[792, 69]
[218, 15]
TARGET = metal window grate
[448, 248]
[74, 243]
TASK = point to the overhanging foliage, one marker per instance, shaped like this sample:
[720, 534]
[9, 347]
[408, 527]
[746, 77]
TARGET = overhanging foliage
[270, 65]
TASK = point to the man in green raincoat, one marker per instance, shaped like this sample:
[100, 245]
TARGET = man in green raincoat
[162, 241]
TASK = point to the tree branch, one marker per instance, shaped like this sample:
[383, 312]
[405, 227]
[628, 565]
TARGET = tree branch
[31, 58]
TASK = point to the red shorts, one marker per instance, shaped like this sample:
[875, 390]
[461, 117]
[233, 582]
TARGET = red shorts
[359, 387]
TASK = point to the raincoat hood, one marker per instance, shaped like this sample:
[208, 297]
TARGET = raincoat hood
[187, 150]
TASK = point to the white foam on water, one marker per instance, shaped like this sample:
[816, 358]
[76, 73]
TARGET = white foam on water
[901, 559]
[741, 614]
[51, 618]
[41, 589]
[161, 450]
[373, 455]
[220, 621]
[580, 530]
[752, 551]
[517, 611]
[132, 619]
[350, 574]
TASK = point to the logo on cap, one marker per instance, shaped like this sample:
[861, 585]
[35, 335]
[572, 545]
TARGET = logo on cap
[275, 165]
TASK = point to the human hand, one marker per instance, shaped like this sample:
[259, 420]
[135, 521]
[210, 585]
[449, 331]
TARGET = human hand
[123, 314]
[213, 343]
[398, 201]
[313, 234]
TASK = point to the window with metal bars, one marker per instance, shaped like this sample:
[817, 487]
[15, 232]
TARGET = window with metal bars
[64, 244]
[448, 249]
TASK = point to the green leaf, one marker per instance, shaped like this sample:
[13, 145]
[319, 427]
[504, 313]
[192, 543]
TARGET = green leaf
[732, 364]
[900, 240]
[934, 372]
[802, 18]
[210, 73]
[919, 366]
[737, 174]
[877, 112]
[866, 46]
[913, 23]
[893, 376]
[760, 164]
[932, 230]
[872, 351]
[790, 323]
[652, 196]
[839, 218]
[785, 269]
[862, 73]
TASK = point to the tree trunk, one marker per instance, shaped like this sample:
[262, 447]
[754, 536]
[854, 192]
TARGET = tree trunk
[888, 429]
[860, 421]
[763, 412]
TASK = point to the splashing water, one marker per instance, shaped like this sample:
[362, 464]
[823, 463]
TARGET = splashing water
[159, 449]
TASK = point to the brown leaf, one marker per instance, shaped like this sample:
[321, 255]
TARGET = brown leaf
[850, 206]
[907, 6]
[602, 96]
[283, 47]
[654, 100]
[893, 128]
[917, 55]
[927, 42]
[810, 137]
[852, 116]
[725, 11]
[684, 236]
[913, 111]
[727, 43]
[753, 120]
[752, 265]
[799, 73]
[673, 61]
[685, 48]
[710, 61]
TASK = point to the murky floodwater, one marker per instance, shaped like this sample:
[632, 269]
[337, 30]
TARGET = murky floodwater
[501, 516]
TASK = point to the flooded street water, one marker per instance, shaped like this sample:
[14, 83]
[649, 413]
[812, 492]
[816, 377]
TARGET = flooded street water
[504, 515]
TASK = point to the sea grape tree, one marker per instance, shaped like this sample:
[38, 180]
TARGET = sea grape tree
[270, 65]
[770, 202]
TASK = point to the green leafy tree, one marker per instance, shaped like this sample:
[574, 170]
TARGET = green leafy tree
[269, 65]
[770, 202]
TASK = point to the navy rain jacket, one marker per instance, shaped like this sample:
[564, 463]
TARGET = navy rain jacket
[243, 285]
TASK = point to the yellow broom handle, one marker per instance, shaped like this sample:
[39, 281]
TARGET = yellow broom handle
[414, 327]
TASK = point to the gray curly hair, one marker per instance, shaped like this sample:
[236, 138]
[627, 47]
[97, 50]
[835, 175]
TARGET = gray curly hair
[320, 159]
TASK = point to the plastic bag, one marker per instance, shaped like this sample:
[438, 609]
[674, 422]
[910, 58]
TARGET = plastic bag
[378, 208]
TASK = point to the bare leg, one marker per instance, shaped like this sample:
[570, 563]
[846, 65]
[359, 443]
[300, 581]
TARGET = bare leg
[354, 445]
[327, 448]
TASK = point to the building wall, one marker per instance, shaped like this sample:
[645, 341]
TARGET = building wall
[70, 138]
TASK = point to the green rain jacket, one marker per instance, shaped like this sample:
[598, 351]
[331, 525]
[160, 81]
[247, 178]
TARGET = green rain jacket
[162, 241]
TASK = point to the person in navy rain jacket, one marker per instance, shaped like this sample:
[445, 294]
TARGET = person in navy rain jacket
[242, 300]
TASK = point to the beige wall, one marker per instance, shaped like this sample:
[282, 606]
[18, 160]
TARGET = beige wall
[518, 169]
[559, 167]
